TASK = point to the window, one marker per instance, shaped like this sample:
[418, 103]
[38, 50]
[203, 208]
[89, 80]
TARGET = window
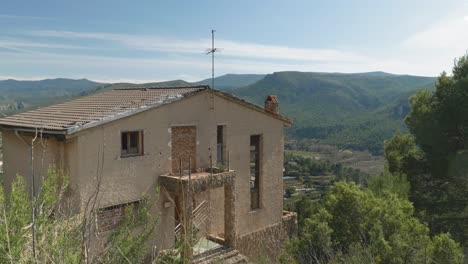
[109, 218]
[220, 145]
[132, 143]
[255, 171]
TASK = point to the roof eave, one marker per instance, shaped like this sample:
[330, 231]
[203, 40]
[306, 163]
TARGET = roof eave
[32, 130]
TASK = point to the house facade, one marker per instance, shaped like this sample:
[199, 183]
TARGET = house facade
[223, 154]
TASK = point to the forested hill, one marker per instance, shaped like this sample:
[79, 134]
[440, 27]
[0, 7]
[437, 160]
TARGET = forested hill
[16, 95]
[232, 81]
[357, 111]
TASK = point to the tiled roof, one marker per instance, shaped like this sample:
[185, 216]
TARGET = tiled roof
[92, 110]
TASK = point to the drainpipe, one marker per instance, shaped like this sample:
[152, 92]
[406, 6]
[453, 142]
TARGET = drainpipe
[33, 190]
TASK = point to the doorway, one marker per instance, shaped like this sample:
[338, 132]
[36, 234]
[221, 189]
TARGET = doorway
[184, 148]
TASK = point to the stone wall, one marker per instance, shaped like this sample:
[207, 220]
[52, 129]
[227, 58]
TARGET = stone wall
[268, 242]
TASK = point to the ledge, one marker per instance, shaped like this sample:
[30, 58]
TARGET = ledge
[199, 182]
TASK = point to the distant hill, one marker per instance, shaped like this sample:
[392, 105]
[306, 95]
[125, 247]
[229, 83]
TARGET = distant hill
[355, 111]
[108, 87]
[152, 84]
[32, 89]
[16, 95]
[232, 81]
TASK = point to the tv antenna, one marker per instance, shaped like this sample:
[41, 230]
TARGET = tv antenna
[212, 52]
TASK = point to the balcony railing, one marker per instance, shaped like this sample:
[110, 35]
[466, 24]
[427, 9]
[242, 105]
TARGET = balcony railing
[196, 182]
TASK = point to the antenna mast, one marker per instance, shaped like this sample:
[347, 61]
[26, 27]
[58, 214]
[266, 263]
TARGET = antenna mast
[212, 52]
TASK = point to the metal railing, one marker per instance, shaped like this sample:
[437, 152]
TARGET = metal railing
[199, 216]
[211, 169]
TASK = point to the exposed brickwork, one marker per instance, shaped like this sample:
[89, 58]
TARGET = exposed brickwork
[272, 104]
[109, 218]
[184, 146]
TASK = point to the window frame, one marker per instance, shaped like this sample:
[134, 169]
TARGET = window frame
[140, 143]
[223, 147]
[255, 190]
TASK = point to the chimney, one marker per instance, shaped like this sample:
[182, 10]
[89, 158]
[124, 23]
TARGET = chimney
[272, 104]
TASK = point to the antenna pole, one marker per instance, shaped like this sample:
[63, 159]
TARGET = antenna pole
[212, 58]
[212, 52]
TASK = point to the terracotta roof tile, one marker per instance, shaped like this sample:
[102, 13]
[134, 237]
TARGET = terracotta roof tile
[94, 110]
[82, 112]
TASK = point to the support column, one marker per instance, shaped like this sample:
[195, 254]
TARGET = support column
[187, 201]
[230, 220]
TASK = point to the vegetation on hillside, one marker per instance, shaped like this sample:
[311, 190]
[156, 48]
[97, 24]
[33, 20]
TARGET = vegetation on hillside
[415, 212]
[232, 81]
[352, 111]
[312, 178]
[352, 225]
[434, 154]
[61, 236]
[19, 95]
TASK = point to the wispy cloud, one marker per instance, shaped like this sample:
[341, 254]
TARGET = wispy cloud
[197, 46]
[145, 58]
[439, 43]
[5, 16]
[18, 44]
[24, 77]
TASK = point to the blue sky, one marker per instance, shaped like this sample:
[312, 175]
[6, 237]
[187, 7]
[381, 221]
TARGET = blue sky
[142, 41]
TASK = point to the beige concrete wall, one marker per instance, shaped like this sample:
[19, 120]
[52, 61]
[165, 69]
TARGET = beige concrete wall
[95, 153]
[17, 157]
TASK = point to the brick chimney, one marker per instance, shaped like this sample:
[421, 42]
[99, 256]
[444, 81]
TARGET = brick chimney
[272, 104]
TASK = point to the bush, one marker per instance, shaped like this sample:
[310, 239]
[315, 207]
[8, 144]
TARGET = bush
[357, 226]
[59, 234]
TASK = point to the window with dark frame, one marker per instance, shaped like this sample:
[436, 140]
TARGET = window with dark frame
[132, 143]
[255, 157]
[220, 142]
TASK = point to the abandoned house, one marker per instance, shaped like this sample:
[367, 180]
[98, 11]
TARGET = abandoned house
[226, 151]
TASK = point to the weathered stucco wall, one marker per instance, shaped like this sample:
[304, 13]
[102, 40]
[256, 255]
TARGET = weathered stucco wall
[17, 157]
[95, 154]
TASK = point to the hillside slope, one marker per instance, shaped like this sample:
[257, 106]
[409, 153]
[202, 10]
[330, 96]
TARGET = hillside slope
[16, 95]
[232, 81]
[112, 86]
[355, 111]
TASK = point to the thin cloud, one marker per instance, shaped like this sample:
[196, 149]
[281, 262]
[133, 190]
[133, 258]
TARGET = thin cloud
[438, 44]
[23, 78]
[12, 44]
[197, 46]
[5, 16]
[184, 67]
[426, 52]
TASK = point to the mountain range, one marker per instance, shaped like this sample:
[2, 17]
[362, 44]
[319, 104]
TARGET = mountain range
[353, 111]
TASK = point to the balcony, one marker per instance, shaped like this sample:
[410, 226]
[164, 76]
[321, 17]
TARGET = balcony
[182, 187]
[197, 182]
